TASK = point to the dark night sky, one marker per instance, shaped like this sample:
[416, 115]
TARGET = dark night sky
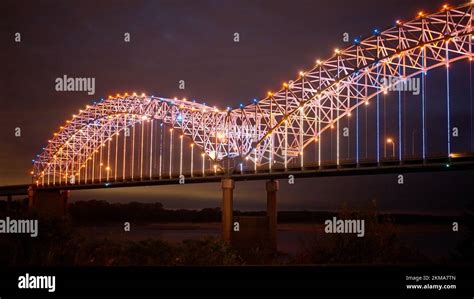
[191, 41]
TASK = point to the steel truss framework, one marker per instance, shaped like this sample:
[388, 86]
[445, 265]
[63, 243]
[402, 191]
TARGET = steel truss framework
[276, 129]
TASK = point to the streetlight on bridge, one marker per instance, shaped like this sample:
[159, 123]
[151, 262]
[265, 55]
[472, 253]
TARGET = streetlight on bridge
[392, 142]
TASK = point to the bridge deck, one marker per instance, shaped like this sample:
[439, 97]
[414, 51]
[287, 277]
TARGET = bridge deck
[346, 168]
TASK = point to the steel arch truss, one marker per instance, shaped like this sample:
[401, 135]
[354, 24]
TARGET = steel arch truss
[297, 114]
[277, 128]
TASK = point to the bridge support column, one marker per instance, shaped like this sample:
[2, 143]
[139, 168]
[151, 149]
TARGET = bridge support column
[31, 198]
[227, 208]
[9, 202]
[48, 203]
[272, 187]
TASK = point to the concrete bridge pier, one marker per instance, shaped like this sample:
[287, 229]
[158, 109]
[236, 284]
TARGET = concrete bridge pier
[227, 208]
[9, 202]
[48, 203]
[272, 187]
[254, 231]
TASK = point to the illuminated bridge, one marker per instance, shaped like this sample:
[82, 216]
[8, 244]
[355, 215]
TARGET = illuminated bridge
[397, 100]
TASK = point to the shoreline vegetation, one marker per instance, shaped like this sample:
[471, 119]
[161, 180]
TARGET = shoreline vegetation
[77, 240]
[92, 211]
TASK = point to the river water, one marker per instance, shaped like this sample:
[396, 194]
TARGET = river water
[434, 241]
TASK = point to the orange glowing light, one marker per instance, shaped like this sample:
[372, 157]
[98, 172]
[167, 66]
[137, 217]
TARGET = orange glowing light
[220, 135]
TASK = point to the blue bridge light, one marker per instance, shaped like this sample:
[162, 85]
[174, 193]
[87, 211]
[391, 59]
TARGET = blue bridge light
[284, 127]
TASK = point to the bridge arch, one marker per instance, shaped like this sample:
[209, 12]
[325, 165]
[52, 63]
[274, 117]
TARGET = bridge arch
[94, 126]
[306, 107]
[279, 127]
